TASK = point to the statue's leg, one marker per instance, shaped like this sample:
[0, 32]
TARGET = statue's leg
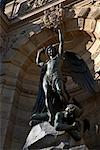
[45, 88]
[60, 90]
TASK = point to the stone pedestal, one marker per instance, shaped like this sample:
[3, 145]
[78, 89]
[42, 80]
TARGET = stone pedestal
[44, 136]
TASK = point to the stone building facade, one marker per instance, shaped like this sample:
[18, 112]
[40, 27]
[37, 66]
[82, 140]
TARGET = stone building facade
[23, 31]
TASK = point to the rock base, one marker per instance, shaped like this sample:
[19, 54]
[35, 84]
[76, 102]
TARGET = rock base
[44, 137]
[60, 147]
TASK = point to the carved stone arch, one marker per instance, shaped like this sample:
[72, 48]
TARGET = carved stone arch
[21, 55]
[74, 24]
[44, 38]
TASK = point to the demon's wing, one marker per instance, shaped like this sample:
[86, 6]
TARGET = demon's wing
[75, 67]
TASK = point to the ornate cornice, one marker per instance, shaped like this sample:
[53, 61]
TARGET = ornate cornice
[76, 9]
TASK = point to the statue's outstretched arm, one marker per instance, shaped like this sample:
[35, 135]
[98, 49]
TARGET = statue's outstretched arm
[38, 59]
[60, 41]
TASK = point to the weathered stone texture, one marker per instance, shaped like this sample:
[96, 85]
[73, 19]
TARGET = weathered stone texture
[97, 29]
[89, 25]
[84, 12]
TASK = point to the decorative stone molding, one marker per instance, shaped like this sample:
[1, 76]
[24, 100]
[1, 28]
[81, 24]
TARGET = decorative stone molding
[89, 25]
[25, 6]
[91, 11]
[84, 12]
[37, 3]
[53, 16]
[97, 29]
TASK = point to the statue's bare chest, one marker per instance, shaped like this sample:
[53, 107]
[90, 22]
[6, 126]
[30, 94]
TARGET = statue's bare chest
[54, 65]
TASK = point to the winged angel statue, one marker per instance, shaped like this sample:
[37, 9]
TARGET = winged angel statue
[52, 92]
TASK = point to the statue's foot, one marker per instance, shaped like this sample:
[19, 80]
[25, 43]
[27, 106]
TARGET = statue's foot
[49, 119]
[30, 123]
[34, 122]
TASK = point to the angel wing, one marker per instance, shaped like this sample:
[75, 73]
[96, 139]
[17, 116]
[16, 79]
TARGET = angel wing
[75, 67]
[40, 101]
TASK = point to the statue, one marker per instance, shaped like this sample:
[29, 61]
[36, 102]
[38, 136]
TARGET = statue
[53, 77]
[56, 111]
[66, 133]
[67, 120]
[70, 122]
[74, 66]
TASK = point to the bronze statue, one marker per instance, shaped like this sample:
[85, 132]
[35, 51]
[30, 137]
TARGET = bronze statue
[53, 105]
[52, 84]
[53, 74]
[67, 120]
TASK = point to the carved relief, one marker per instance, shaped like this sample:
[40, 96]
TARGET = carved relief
[24, 6]
[97, 3]
[53, 16]
[37, 3]
[21, 7]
